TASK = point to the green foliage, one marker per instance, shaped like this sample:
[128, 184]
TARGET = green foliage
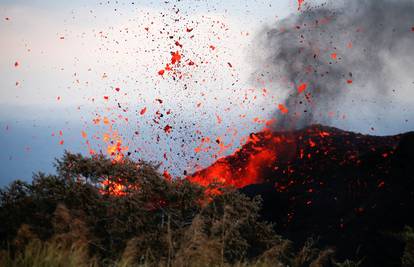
[408, 256]
[110, 220]
[73, 219]
[233, 218]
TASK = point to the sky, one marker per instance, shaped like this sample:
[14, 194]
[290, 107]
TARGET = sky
[85, 76]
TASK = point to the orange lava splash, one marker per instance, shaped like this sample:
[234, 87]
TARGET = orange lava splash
[228, 172]
[113, 188]
[115, 150]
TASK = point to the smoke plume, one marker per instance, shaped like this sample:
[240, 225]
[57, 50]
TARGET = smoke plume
[317, 55]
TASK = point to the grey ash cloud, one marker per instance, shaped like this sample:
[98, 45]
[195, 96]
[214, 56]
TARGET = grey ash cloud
[331, 48]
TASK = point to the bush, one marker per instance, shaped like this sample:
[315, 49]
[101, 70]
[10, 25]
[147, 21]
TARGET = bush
[408, 256]
[96, 212]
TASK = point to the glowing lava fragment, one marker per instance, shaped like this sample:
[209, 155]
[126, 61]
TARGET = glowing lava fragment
[302, 87]
[106, 97]
[349, 81]
[300, 2]
[189, 29]
[178, 44]
[175, 58]
[283, 109]
[61, 142]
[219, 120]
[16, 64]
[167, 128]
[161, 72]
[142, 112]
[84, 135]
[334, 56]
[117, 89]
[312, 143]
[167, 176]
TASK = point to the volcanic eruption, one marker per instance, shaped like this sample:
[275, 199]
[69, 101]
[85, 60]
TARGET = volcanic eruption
[207, 133]
[313, 58]
[350, 190]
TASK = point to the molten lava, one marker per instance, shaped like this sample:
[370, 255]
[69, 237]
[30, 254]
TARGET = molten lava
[282, 157]
[115, 150]
[246, 165]
[113, 188]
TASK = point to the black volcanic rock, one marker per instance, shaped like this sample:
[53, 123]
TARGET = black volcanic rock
[353, 192]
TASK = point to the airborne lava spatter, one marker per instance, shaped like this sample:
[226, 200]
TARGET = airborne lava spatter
[255, 157]
[300, 3]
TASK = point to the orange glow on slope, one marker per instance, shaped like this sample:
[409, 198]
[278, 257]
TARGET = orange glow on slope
[225, 172]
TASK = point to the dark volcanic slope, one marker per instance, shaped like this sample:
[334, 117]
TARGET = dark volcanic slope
[352, 191]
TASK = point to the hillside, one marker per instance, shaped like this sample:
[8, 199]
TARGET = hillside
[351, 191]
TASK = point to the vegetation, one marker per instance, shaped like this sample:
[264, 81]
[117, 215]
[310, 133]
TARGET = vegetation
[408, 256]
[96, 212]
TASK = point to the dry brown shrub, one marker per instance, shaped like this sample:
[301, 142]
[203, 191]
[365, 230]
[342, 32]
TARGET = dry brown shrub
[197, 249]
